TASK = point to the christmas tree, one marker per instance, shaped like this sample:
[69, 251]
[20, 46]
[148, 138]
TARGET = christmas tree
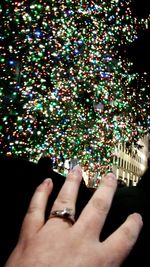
[65, 87]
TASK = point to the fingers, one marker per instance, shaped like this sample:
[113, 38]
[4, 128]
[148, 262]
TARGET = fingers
[68, 193]
[35, 216]
[123, 239]
[94, 214]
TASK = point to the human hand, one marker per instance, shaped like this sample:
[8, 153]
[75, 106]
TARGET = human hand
[57, 242]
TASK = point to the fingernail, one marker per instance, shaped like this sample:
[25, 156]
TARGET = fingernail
[47, 181]
[110, 175]
[137, 217]
[77, 168]
[45, 184]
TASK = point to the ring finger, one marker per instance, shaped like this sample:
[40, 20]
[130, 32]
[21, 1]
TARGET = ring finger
[67, 196]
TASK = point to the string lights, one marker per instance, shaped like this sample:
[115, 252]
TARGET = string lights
[65, 89]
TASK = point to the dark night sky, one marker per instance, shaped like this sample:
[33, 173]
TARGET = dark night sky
[139, 51]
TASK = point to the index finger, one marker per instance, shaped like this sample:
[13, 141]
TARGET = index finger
[94, 214]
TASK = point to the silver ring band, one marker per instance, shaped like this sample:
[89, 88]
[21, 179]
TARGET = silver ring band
[66, 214]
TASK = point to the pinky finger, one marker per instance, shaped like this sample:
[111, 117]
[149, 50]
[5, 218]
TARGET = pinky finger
[121, 242]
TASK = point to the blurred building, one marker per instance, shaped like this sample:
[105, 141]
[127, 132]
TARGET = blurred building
[130, 161]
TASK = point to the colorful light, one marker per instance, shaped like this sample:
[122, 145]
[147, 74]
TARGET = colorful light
[65, 86]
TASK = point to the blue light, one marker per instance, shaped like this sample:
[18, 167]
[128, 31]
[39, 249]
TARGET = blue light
[76, 51]
[37, 33]
[11, 62]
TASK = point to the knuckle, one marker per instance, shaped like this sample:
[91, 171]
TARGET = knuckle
[126, 231]
[61, 201]
[100, 205]
[72, 177]
[23, 243]
[129, 235]
[32, 209]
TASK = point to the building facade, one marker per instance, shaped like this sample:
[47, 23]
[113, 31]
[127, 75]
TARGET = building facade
[129, 163]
